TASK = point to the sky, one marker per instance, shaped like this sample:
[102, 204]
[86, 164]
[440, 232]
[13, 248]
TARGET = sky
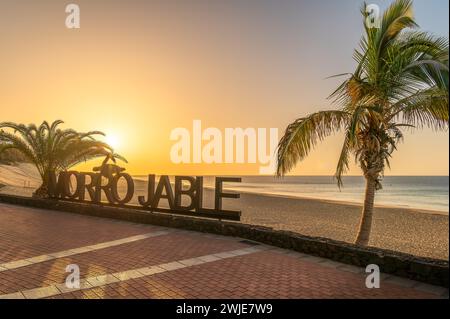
[139, 69]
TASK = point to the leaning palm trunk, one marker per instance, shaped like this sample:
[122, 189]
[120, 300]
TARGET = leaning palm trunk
[366, 217]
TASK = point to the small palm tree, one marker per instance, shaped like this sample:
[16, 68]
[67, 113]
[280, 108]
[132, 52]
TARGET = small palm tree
[400, 82]
[51, 149]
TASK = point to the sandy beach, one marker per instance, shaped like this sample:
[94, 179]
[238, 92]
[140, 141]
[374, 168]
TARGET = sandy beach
[418, 232]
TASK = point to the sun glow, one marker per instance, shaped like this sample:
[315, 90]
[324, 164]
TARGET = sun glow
[113, 140]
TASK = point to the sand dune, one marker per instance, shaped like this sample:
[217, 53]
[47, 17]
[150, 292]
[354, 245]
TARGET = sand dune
[21, 175]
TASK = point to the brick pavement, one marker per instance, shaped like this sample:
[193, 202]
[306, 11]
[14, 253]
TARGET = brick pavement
[118, 259]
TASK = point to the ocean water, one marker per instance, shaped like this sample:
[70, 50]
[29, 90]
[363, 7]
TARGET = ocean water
[423, 192]
[426, 192]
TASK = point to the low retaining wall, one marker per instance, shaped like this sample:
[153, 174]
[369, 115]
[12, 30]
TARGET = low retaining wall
[432, 271]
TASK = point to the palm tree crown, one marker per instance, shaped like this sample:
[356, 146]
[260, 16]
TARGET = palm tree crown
[51, 149]
[400, 82]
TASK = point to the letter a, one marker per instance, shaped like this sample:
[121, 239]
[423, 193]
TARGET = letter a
[373, 279]
[73, 19]
[73, 280]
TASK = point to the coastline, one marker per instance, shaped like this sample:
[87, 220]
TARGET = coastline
[418, 232]
[427, 196]
[344, 202]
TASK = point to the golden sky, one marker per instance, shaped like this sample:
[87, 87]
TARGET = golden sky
[136, 70]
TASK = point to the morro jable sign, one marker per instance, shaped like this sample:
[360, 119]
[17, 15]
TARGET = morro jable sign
[104, 185]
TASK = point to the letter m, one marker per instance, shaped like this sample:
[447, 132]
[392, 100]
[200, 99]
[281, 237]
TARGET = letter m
[56, 186]
[240, 135]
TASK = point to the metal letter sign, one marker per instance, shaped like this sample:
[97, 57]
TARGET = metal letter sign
[101, 187]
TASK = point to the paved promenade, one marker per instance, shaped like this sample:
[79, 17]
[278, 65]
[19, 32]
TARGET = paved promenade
[118, 259]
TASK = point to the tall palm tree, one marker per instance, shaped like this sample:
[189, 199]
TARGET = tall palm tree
[51, 149]
[400, 82]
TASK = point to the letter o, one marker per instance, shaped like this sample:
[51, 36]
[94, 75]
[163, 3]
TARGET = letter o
[130, 188]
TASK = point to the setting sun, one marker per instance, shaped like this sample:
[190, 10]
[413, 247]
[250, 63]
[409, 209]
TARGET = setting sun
[113, 140]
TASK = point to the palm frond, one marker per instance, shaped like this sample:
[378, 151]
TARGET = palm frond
[52, 149]
[302, 135]
[401, 81]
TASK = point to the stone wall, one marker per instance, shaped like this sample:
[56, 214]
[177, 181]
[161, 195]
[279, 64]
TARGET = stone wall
[427, 270]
